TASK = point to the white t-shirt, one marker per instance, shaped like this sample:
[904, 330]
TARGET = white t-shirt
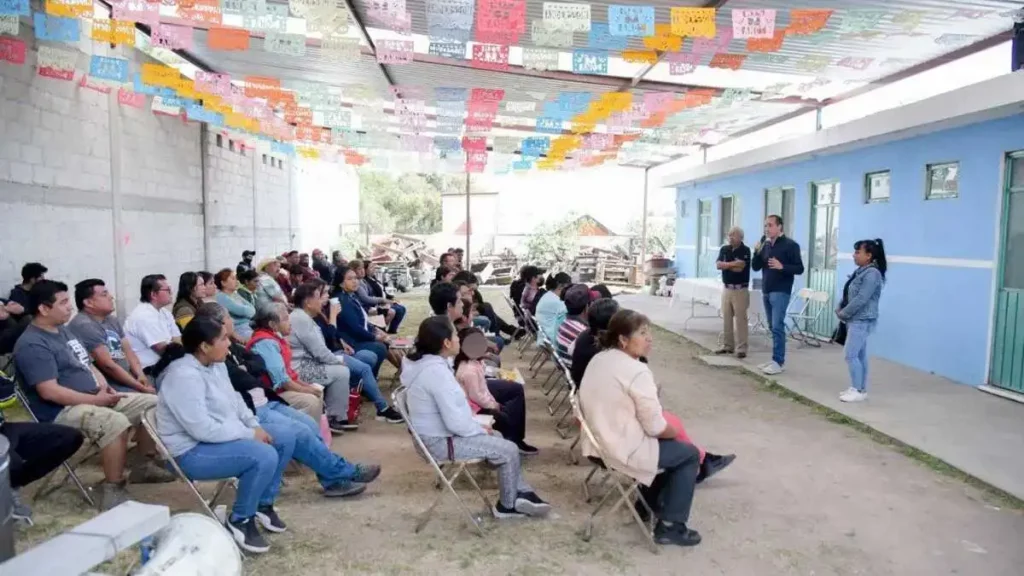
[147, 326]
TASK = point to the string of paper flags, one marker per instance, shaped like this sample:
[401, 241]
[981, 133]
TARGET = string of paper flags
[352, 124]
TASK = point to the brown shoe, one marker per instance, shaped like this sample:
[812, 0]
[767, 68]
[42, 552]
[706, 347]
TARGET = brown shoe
[741, 355]
[723, 351]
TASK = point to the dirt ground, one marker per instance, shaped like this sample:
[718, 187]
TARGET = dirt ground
[805, 496]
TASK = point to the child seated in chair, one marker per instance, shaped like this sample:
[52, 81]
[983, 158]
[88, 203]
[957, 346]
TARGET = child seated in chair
[440, 414]
[502, 399]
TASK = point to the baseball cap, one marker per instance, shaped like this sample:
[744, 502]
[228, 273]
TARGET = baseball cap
[577, 296]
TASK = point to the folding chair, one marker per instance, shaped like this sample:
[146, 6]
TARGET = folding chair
[149, 423]
[623, 485]
[809, 305]
[460, 467]
[44, 488]
[565, 430]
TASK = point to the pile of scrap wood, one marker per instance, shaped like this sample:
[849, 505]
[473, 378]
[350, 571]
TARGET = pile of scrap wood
[603, 266]
[400, 248]
[500, 269]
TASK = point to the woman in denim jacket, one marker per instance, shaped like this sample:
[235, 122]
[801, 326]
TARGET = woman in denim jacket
[859, 311]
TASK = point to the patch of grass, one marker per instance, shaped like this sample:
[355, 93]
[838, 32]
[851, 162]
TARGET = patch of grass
[990, 493]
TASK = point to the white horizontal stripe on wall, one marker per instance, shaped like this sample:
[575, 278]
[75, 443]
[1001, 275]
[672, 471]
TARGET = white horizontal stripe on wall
[929, 261]
[686, 246]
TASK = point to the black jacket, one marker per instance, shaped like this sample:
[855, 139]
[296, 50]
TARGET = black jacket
[244, 370]
[785, 251]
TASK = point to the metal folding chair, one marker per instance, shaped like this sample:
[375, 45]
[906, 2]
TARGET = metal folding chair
[149, 423]
[805, 309]
[45, 488]
[459, 466]
[626, 487]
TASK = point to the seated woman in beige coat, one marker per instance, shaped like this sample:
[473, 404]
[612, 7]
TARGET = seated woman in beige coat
[619, 400]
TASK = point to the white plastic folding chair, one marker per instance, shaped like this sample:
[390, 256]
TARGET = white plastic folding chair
[626, 487]
[804, 310]
[459, 467]
[45, 489]
[149, 423]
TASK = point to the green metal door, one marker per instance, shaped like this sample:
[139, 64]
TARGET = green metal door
[1008, 341]
[823, 251]
[706, 254]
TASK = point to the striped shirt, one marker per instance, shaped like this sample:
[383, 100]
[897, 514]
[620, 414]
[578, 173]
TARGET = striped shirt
[568, 332]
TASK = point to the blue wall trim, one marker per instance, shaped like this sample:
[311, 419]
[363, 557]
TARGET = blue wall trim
[933, 318]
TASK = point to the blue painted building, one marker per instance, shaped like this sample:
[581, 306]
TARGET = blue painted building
[942, 204]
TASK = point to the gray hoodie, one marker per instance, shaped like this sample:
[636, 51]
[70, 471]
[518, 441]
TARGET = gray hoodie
[197, 404]
[437, 404]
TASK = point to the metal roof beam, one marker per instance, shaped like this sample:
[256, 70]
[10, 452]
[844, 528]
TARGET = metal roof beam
[636, 80]
[369, 41]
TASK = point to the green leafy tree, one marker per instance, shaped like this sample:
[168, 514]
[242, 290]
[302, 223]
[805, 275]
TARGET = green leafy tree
[409, 204]
[554, 244]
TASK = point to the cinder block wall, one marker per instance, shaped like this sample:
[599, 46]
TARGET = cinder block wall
[94, 189]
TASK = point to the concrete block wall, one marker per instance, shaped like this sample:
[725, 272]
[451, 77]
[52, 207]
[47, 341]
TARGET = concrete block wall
[230, 214]
[94, 189]
[276, 207]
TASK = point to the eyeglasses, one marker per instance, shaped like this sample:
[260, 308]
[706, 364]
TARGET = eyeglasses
[167, 289]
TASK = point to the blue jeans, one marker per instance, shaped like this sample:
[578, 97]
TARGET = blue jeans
[288, 411]
[856, 352]
[379, 350]
[482, 322]
[361, 368]
[399, 315]
[282, 422]
[775, 305]
[257, 466]
[499, 342]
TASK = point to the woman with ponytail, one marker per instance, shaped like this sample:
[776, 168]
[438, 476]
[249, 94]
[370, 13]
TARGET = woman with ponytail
[859, 311]
[440, 414]
[211, 433]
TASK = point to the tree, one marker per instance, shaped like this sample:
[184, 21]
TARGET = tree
[409, 204]
[661, 235]
[554, 244]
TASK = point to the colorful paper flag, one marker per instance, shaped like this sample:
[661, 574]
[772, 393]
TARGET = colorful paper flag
[110, 69]
[10, 24]
[490, 56]
[15, 7]
[391, 51]
[12, 50]
[116, 32]
[55, 28]
[626, 20]
[288, 44]
[567, 16]
[173, 37]
[540, 58]
[589, 62]
[663, 40]
[57, 63]
[806, 22]
[500, 21]
[753, 23]
[693, 22]
[126, 97]
[227, 39]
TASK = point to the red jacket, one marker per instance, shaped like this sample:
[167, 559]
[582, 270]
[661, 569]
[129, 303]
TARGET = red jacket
[286, 353]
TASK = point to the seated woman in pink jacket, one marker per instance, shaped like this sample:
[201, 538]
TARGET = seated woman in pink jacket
[502, 399]
[619, 399]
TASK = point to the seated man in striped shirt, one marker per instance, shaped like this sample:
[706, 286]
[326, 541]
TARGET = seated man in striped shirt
[577, 301]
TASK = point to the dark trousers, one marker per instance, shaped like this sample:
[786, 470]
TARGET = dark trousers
[511, 419]
[497, 322]
[36, 449]
[671, 493]
[397, 320]
[378, 348]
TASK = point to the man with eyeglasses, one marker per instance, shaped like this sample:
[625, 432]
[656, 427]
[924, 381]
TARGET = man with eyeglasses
[150, 327]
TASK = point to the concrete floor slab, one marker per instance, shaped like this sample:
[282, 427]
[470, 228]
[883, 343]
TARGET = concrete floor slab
[978, 433]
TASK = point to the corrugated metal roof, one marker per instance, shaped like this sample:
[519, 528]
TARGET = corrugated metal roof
[911, 32]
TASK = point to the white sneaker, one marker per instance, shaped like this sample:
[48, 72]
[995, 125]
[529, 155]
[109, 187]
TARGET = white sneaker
[772, 368]
[853, 396]
[763, 365]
